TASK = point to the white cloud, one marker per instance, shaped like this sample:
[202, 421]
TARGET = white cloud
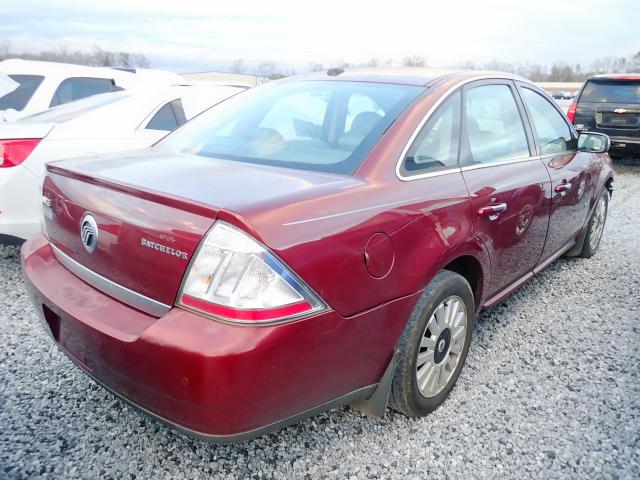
[192, 34]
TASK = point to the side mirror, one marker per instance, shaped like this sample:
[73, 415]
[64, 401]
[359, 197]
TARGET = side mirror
[593, 142]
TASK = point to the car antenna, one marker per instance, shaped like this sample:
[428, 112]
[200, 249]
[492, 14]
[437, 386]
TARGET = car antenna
[334, 72]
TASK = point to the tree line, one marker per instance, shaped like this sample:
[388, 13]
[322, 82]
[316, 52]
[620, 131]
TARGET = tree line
[96, 58]
[556, 72]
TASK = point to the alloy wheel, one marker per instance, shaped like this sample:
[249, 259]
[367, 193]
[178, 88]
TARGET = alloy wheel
[599, 218]
[441, 346]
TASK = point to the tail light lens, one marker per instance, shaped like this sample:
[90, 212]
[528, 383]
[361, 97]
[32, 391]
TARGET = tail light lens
[571, 113]
[233, 277]
[14, 152]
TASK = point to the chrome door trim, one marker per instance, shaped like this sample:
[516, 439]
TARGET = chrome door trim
[437, 173]
[115, 290]
[425, 119]
[510, 161]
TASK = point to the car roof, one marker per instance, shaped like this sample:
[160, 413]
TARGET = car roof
[417, 76]
[616, 76]
[37, 67]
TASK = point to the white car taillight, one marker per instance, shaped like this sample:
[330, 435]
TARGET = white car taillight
[15, 151]
[234, 277]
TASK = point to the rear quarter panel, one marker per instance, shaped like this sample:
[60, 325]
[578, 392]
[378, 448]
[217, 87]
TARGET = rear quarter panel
[324, 242]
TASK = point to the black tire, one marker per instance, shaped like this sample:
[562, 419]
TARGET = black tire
[590, 247]
[405, 394]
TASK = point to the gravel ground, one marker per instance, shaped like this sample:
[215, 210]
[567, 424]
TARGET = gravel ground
[551, 389]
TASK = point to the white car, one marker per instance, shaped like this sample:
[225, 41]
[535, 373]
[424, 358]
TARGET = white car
[42, 85]
[102, 123]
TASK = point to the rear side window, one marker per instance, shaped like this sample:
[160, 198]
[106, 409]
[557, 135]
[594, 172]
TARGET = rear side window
[436, 145]
[494, 127]
[19, 98]
[552, 132]
[168, 118]
[618, 91]
[76, 88]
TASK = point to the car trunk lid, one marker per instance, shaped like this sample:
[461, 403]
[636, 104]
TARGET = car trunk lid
[18, 130]
[152, 209]
[144, 240]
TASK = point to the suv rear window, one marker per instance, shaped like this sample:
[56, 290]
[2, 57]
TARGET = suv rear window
[19, 98]
[611, 91]
[327, 126]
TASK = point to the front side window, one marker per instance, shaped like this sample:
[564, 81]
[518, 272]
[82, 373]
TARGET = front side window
[72, 89]
[168, 118]
[18, 98]
[552, 132]
[327, 126]
[436, 145]
[493, 124]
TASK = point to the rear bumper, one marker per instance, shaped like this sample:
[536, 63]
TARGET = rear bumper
[215, 380]
[625, 144]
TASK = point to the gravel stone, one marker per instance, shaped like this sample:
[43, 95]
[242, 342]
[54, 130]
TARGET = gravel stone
[551, 389]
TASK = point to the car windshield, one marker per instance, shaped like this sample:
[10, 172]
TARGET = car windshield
[326, 126]
[71, 110]
[18, 98]
[612, 91]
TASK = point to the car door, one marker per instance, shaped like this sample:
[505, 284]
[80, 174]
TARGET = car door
[508, 184]
[572, 172]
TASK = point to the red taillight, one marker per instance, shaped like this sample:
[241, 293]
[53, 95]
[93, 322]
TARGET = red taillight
[248, 314]
[236, 278]
[14, 152]
[571, 113]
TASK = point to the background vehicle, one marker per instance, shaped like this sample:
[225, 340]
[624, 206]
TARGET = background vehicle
[313, 242]
[47, 84]
[610, 104]
[102, 123]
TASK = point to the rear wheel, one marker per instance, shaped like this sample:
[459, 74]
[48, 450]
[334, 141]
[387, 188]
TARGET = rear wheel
[434, 345]
[596, 226]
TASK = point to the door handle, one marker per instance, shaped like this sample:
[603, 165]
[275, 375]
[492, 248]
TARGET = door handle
[562, 188]
[492, 211]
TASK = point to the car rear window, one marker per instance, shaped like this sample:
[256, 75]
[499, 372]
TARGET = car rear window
[19, 98]
[611, 91]
[327, 126]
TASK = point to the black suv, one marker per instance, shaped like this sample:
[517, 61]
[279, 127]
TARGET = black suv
[610, 104]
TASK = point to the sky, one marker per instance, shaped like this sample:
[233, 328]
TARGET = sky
[200, 35]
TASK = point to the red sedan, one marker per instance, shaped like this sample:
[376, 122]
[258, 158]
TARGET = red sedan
[317, 241]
